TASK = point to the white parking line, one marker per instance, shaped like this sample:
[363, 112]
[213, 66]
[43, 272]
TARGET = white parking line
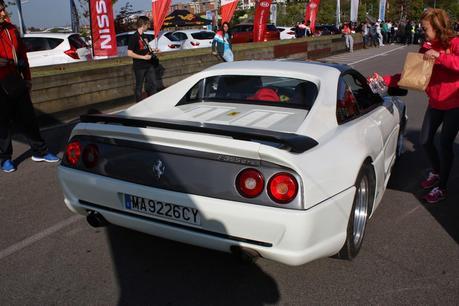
[39, 236]
[376, 55]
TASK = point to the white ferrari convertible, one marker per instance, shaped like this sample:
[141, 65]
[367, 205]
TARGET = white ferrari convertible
[286, 160]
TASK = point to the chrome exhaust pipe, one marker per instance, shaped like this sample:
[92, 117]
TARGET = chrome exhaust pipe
[96, 219]
[244, 254]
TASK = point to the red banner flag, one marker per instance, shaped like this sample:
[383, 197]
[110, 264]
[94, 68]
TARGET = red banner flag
[159, 9]
[227, 9]
[262, 12]
[311, 13]
[103, 28]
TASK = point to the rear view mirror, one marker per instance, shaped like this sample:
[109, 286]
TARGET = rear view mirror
[397, 91]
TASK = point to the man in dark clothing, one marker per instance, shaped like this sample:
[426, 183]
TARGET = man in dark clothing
[15, 103]
[300, 30]
[143, 57]
[408, 33]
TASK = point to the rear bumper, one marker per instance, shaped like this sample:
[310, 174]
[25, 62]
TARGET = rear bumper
[289, 236]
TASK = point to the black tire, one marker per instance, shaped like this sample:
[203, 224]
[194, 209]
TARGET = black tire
[359, 214]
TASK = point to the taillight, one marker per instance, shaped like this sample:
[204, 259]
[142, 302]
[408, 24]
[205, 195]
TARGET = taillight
[282, 187]
[91, 155]
[250, 183]
[172, 46]
[291, 33]
[73, 152]
[72, 52]
[194, 43]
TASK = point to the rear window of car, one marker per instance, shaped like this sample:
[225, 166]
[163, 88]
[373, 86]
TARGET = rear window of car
[271, 27]
[280, 29]
[203, 35]
[171, 37]
[41, 43]
[266, 90]
[77, 42]
[180, 36]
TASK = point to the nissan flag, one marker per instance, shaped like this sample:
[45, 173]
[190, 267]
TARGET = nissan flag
[262, 11]
[159, 9]
[311, 13]
[21, 20]
[338, 13]
[354, 10]
[227, 9]
[74, 17]
[103, 28]
[382, 10]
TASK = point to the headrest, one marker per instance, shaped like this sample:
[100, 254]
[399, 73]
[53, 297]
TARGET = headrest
[265, 94]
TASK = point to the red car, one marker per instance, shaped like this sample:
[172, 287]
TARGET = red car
[243, 33]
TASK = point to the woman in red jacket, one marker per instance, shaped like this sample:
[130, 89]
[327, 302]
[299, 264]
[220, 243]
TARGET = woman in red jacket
[15, 103]
[443, 91]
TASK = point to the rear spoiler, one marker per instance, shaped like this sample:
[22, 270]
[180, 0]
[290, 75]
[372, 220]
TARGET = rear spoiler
[296, 143]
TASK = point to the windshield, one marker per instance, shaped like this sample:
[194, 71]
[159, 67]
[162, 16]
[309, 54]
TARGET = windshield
[267, 90]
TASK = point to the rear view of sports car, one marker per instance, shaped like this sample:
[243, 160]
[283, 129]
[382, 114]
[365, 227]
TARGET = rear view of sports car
[285, 160]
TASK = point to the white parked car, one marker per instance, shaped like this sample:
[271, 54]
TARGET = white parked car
[286, 160]
[45, 49]
[286, 32]
[193, 39]
[166, 42]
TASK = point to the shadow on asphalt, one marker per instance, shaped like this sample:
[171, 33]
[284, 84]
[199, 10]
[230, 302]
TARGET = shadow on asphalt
[412, 168]
[154, 271]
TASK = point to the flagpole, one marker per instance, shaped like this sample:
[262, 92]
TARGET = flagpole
[90, 28]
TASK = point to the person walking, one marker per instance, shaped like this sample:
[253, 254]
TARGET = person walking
[388, 25]
[378, 33]
[347, 32]
[442, 46]
[221, 44]
[385, 32]
[15, 103]
[408, 32]
[366, 34]
[143, 60]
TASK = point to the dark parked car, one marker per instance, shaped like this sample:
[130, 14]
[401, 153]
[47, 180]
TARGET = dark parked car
[243, 33]
[326, 29]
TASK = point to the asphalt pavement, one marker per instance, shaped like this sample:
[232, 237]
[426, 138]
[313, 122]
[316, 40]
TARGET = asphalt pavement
[49, 256]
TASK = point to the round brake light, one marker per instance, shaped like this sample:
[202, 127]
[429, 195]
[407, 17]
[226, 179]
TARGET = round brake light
[282, 187]
[250, 183]
[91, 155]
[73, 152]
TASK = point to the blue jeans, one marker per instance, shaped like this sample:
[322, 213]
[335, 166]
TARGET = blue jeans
[349, 42]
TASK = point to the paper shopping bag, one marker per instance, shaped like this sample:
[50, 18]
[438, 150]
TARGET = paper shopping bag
[416, 72]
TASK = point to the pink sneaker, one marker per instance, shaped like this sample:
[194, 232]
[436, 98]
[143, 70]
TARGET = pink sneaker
[431, 181]
[435, 195]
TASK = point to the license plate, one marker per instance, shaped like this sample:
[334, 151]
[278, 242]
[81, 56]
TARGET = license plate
[162, 209]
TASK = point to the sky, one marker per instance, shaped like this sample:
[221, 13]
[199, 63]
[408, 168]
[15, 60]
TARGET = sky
[49, 13]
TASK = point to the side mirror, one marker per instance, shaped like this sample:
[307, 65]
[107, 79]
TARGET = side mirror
[397, 91]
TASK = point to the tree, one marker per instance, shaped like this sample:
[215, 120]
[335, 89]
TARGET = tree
[292, 13]
[122, 23]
